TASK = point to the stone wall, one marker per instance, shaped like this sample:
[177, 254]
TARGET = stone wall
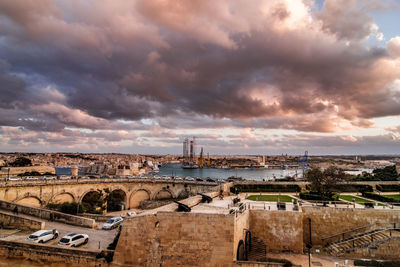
[388, 251]
[15, 221]
[14, 171]
[241, 225]
[281, 231]
[329, 221]
[49, 214]
[24, 254]
[176, 239]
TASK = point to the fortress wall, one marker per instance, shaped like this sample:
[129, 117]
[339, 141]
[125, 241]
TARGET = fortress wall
[388, 251]
[49, 214]
[14, 171]
[176, 239]
[15, 221]
[25, 254]
[330, 221]
[242, 223]
[280, 230]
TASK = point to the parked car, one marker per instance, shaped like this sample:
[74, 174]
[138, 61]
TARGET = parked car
[64, 177]
[131, 213]
[188, 178]
[210, 180]
[48, 177]
[112, 223]
[166, 177]
[199, 179]
[178, 178]
[13, 179]
[73, 240]
[31, 178]
[43, 236]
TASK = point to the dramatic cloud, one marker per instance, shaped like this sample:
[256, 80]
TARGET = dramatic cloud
[162, 69]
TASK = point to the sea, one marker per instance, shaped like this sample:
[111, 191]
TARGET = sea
[248, 174]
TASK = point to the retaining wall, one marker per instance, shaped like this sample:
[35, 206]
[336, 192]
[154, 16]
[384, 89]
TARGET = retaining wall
[15, 221]
[49, 214]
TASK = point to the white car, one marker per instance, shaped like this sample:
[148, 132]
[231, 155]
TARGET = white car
[178, 178]
[48, 178]
[73, 240]
[31, 178]
[188, 178]
[43, 236]
[64, 177]
[13, 179]
[131, 213]
[112, 223]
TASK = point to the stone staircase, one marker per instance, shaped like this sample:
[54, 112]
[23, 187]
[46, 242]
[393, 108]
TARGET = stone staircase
[372, 238]
[258, 249]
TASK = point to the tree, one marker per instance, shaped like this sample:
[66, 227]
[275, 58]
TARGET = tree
[325, 182]
[21, 162]
[389, 173]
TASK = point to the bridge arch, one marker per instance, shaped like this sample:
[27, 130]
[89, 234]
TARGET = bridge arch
[29, 200]
[137, 196]
[62, 197]
[118, 198]
[164, 193]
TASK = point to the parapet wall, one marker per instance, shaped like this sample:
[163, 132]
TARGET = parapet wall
[14, 171]
[49, 214]
[329, 221]
[176, 239]
[24, 254]
[15, 221]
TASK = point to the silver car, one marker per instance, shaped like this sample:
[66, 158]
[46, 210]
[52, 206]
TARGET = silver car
[43, 236]
[73, 240]
[112, 223]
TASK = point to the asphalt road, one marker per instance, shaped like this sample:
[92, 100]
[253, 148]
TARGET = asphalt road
[97, 238]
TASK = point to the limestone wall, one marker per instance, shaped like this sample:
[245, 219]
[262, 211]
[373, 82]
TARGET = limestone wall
[24, 254]
[388, 251]
[242, 224]
[280, 230]
[49, 214]
[176, 239]
[15, 221]
[330, 221]
[14, 171]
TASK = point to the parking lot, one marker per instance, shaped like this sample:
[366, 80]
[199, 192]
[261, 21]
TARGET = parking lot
[98, 238]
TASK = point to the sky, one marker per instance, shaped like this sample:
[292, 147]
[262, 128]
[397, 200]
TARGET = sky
[244, 77]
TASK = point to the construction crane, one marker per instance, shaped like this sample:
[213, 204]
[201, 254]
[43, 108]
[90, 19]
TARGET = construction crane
[201, 159]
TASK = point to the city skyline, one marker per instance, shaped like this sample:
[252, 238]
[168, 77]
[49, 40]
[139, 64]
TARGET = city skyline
[259, 77]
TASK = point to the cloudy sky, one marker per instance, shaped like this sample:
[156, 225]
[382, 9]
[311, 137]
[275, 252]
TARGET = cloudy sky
[260, 76]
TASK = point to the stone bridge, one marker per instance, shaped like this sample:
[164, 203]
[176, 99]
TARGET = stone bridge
[40, 193]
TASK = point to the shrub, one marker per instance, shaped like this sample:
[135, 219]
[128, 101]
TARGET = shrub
[388, 187]
[309, 195]
[265, 188]
[379, 197]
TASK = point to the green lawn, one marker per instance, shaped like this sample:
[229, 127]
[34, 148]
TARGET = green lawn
[271, 198]
[395, 197]
[358, 200]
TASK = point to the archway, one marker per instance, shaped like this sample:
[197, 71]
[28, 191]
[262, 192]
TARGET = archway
[163, 194]
[137, 197]
[241, 251]
[93, 202]
[116, 200]
[29, 201]
[63, 197]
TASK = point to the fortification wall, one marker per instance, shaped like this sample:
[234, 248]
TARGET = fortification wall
[388, 251]
[14, 171]
[242, 223]
[176, 239]
[23, 254]
[15, 221]
[330, 221]
[280, 230]
[49, 214]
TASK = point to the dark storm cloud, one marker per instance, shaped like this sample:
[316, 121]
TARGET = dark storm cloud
[266, 64]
